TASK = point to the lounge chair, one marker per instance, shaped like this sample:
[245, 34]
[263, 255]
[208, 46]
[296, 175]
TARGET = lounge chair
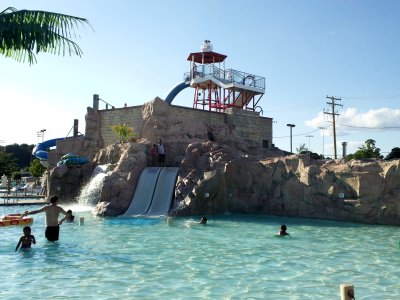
[27, 188]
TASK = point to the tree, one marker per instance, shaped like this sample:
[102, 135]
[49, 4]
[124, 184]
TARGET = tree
[395, 153]
[16, 176]
[7, 164]
[22, 153]
[302, 148]
[36, 168]
[26, 32]
[123, 132]
[368, 150]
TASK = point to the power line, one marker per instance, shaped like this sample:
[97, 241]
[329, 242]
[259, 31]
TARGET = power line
[299, 134]
[344, 125]
[390, 96]
[365, 127]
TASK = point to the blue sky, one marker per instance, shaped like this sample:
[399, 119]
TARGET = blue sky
[306, 50]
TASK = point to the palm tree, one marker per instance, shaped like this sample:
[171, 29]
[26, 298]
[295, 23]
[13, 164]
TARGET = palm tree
[124, 133]
[24, 33]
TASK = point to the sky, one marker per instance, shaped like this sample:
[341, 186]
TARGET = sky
[137, 50]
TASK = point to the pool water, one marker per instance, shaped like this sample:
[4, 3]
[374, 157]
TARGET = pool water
[232, 257]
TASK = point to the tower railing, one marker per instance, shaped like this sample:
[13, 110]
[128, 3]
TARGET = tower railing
[226, 76]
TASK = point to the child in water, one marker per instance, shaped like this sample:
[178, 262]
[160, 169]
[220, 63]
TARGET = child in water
[69, 217]
[283, 230]
[203, 221]
[26, 240]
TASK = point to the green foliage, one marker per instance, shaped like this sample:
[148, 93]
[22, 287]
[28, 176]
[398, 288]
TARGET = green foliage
[22, 153]
[312, 155]
[395, 153]
[7, 164]
[124, 133]
[36, 168]
[16, 176]
[302, 148]
[368, 150]
[25, 32]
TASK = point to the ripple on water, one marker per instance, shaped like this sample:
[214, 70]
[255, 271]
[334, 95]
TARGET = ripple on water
[232, 257]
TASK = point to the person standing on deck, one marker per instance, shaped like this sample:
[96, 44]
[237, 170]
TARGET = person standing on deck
[161, 153]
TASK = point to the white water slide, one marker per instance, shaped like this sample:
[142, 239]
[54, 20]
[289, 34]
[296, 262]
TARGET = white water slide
[154, 192]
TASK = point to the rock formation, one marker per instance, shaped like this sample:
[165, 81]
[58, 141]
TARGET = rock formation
[126, 162]
[213, 180]
[220, 172]
[66, 181]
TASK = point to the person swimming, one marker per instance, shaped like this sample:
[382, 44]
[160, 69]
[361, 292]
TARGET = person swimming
[203, 221]
[283, 230]
[69, 217]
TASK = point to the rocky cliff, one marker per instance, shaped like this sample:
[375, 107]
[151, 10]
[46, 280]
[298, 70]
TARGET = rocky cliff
[213, 180]
[220, 171]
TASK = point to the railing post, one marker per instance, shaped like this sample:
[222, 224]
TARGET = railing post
[76, 122]
[346, 291]
[96, 102]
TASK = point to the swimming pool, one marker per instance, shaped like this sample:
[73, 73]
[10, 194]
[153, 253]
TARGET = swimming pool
[232, 257]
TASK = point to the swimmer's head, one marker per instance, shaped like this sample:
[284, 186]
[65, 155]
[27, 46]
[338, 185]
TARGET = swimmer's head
[27, 230]
[53, 199]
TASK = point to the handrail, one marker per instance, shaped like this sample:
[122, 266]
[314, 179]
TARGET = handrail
[227, 76]
[107, 104]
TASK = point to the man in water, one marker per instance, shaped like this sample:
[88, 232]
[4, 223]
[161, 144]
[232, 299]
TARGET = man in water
[52, 212]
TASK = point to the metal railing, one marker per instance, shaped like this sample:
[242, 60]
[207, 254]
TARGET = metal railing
[226, 76]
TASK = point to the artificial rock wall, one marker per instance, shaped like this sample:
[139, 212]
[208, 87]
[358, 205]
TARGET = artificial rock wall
[248, 125]
[179, 126]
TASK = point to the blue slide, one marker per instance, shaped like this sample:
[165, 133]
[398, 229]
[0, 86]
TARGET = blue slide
[176, 90]
[40, 150]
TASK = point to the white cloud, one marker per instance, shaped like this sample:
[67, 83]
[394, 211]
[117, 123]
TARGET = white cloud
[351, 120]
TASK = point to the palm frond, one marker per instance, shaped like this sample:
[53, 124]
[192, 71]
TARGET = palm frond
[24, 33]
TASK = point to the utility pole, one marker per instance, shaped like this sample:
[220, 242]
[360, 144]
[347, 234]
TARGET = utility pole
[309, 139]
[333, 114]
[323, 140]
[291, 127]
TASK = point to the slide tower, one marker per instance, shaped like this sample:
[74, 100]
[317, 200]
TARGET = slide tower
[218, 88]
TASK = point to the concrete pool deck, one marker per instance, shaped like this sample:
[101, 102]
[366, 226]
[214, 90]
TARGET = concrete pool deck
[7, 200]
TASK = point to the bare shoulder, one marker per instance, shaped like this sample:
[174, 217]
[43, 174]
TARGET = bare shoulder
[44, 208]
[60, 209]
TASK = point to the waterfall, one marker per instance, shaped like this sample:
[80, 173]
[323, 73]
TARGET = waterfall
[90, 192]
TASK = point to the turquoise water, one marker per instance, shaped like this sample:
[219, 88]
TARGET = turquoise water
[233, 257]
